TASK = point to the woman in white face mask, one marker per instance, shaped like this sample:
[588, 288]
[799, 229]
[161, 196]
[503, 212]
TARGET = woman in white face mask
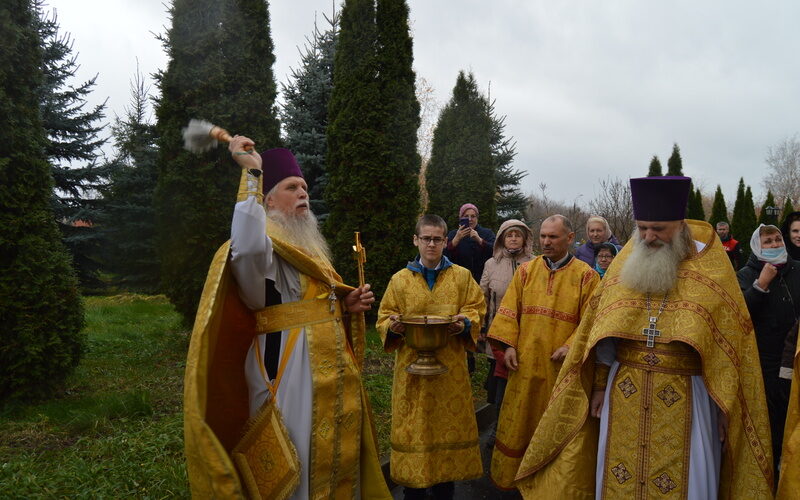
[770, 283]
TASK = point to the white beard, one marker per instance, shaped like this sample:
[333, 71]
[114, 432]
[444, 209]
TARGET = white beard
[302, 231]
[655, 269]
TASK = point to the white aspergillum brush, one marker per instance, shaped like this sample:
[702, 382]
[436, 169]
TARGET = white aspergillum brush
[200, 136]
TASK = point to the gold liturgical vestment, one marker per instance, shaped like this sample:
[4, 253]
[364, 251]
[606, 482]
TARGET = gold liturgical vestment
[789, 482]
[705, 329]
[343, 445]
[434, 432]
[539, 313]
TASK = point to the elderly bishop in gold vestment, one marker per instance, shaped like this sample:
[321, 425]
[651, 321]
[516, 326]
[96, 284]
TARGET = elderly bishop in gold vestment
[273, 380]
[534, 324]
[666, 358]
[434, 432]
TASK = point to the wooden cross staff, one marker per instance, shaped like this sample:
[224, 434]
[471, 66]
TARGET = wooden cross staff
[360, 254]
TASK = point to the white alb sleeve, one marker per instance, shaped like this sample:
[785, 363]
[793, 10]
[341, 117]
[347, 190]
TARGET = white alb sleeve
[251, 251]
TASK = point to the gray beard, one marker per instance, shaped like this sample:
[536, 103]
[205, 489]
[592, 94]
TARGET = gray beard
[655, 270]
[302, 231]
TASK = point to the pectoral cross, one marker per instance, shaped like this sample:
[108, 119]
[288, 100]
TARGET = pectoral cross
[651, 332]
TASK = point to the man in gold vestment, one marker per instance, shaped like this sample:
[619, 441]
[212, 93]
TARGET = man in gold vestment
[534, 324]
[279, 339]
[434, 432]
[666, 358]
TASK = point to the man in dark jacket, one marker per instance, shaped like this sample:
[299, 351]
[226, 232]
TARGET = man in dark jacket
[770, 282]
[732, 247]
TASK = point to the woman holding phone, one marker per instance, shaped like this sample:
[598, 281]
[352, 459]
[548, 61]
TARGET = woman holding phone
[470, 245]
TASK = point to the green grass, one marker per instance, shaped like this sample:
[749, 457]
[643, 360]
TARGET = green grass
[116, 428]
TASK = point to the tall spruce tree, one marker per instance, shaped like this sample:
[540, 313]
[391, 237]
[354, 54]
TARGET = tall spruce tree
[787, 209]
[738, 218]
[72, 149]
[763, 217]
[675, 163]
[746, 222]
[719, 211]
[655, 168]
[128, 223]
[220, 69]
[41, 313]
[373, 162]
[305, 110]
[695, 206]
[461, 169]
[511, 203]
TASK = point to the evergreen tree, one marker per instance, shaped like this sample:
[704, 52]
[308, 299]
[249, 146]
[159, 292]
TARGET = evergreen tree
[220, 69]
[787, 209]
[738, 220]
[305, 111]
[655, 168]
[373, 162]
[41, 314]
[719, 211]
[749, 222]
[695, 206]
[675, 163]
[129, 221]
[763, 218]
[72, 148]
[461, 169]
[511, 203]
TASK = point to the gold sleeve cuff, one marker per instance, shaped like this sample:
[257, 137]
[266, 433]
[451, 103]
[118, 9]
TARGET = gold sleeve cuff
[600, 376]
[250, 185]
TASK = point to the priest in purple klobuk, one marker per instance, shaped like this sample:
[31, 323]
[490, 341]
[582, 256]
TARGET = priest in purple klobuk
[660, 395]
[274, 405]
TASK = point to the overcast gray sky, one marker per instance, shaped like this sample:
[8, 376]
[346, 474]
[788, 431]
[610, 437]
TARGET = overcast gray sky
[590, 89]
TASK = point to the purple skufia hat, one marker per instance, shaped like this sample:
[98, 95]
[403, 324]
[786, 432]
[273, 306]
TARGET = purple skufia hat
[278, 164]
[660, 198]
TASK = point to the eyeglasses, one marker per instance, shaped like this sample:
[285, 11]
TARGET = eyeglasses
[605, 257]
[428, 240]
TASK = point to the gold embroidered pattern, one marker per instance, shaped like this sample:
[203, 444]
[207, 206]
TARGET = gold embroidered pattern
[324, 429]
[551, 313]
[651, 359]
[627, 387]
[668, 395]
[325, 366]
[523, 274]
[621, 473]
[664, 483]
[507, 312]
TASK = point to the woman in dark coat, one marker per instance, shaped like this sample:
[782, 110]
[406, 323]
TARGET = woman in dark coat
[470, 245]
[791, 234]
[770, 282]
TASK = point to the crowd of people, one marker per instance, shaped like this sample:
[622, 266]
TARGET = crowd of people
[616, 372]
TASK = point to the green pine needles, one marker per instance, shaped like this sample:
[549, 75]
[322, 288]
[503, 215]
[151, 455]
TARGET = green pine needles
[219, 69]
[41, 313]
[462, 169]
[372, 158]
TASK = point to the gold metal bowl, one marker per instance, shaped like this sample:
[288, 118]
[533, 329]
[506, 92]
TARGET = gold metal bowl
[426, 334]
